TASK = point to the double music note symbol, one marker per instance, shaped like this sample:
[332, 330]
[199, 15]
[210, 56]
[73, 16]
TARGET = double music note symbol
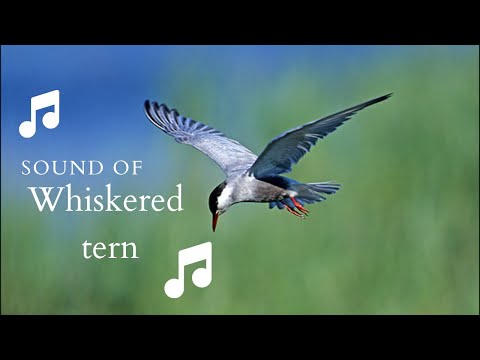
[51, 119]
[201, 277]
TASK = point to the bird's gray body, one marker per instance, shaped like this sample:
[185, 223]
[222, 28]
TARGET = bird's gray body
[243, 187]
[250, 178]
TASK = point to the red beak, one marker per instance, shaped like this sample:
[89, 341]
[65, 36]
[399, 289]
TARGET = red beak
[214, 221]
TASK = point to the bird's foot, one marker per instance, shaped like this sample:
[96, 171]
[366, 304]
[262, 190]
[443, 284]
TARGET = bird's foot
[298, 206]
[294, 212]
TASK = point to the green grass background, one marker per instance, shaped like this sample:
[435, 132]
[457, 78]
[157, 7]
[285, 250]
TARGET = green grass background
[401, 237]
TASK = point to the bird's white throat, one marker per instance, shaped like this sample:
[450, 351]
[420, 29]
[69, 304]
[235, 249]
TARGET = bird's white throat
[225, 199]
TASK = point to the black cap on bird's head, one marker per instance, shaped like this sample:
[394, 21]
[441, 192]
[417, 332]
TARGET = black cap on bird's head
[213, 203]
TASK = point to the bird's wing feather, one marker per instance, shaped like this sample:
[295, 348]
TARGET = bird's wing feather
[229, 154]
[288, 148]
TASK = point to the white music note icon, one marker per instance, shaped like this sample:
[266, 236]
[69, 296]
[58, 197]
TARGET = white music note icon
[51, 119]
[201, 277]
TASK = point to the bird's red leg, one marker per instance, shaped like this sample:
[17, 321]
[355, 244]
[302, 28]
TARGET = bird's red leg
[298, 206]
[294, 212]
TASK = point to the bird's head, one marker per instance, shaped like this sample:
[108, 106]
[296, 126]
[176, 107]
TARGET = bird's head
[218, 202]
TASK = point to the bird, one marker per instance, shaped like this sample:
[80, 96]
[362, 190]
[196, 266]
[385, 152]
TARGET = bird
[252, 178]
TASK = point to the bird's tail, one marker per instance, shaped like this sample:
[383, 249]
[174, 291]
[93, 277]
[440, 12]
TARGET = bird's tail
[308, 193]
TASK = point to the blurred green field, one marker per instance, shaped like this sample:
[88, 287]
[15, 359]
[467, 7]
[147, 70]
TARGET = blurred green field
[400, 237]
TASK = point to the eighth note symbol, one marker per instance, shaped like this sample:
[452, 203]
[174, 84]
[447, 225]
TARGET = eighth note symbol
[201, 277]
[51, 119]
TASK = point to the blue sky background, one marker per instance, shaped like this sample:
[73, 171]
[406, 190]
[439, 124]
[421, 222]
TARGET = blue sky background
[103, 89]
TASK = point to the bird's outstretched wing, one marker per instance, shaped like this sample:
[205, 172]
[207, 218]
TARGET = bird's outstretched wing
[288, 148]
[230, 155]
